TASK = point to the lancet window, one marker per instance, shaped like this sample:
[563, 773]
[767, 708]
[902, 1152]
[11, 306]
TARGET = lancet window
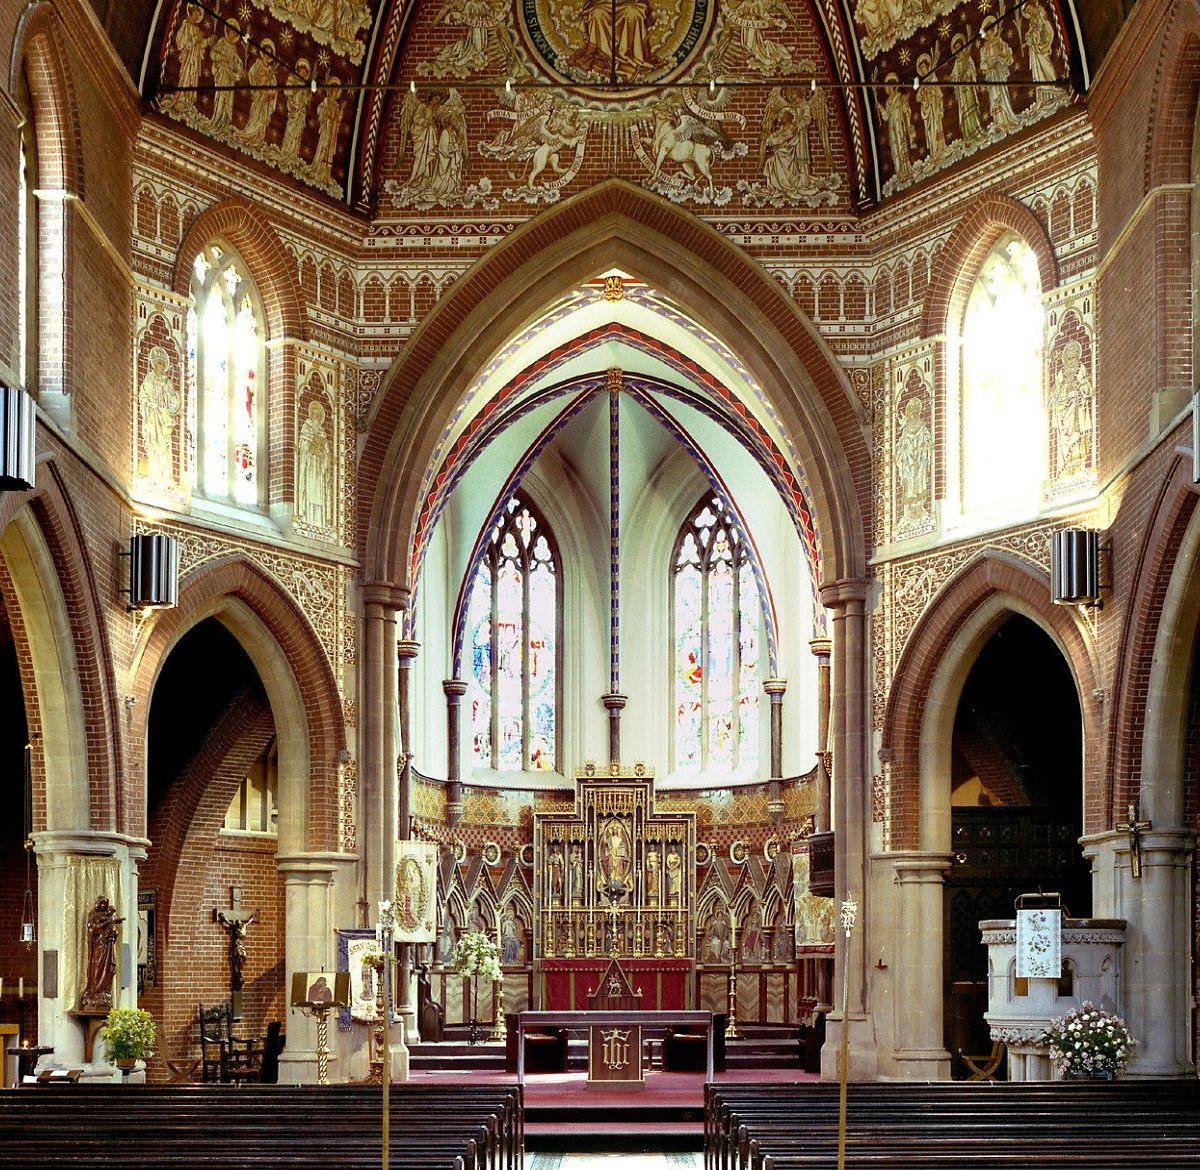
[1002, 410]
[717, 619]
[513, 636]
[225, 340]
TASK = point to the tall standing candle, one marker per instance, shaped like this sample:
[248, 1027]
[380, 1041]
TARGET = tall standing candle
[21, 987]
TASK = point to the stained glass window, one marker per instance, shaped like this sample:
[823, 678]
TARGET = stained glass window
[1002, 407]
[716, 613]
[225, 340]
[512, 634]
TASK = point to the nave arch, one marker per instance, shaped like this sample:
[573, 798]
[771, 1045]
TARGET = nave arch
[916, 746]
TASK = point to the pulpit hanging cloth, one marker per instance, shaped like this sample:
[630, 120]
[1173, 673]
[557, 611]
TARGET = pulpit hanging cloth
[1039, 944]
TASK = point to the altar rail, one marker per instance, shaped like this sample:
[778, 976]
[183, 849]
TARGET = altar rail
[213, 1127]
[1089, 1125]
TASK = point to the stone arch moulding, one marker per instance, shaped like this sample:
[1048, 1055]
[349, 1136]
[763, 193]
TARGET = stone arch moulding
[38, 49]
[293, 666]
[1004, 583]
[248, 230]
[1169, 134]
[51, 678]
[980, 226]
[615, 225]
[1146, 736]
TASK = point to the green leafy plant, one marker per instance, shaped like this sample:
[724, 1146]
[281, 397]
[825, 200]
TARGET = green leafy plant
[129, 1034]
[1088, 1042]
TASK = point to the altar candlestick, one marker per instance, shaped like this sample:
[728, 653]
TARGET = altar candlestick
[21, 987]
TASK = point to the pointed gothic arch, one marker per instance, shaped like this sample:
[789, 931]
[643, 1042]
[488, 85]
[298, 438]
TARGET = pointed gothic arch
[294, 669]
[933, 666]
[614, 225]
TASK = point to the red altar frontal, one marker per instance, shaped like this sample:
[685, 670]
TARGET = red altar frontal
[665, 984]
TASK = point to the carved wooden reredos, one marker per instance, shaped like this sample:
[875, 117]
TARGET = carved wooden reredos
[614, 878]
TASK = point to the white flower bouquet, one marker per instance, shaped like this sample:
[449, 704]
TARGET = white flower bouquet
[1089, 1042]
[477, 953]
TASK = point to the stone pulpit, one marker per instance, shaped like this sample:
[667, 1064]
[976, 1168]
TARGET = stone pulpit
[1086, 968]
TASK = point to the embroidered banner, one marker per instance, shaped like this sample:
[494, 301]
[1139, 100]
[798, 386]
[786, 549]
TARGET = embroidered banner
[416, 887]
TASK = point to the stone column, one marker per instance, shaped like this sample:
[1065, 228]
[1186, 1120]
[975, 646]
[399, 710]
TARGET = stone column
[913, 942]
[379, 739]
[614, 704]
[851, 823]
[308, 907]
[1156, 957]
[454, 689]
[821, 648]
[406, 651]
[51, 1000]
[775, 688]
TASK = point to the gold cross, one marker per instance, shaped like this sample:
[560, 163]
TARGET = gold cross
[1134, 828]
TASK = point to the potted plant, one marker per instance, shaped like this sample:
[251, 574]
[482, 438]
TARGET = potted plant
[129, 1036]
[1089, 1042]
[477, 956]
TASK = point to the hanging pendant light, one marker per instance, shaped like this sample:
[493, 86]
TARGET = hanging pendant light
[17, 428]
[153, 570]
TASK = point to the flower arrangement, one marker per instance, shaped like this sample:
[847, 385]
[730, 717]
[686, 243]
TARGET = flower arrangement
[1089, 1042]
[477, 953]
[129, 1034]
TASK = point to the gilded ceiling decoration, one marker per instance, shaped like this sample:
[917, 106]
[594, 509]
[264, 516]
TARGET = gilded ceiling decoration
[750, 104]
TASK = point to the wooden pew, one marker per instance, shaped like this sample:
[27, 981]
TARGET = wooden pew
[930, 1126]
[213, 1127]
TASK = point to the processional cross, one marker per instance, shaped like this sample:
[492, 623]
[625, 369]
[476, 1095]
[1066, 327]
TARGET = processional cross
[236, 919]
[1134, 828]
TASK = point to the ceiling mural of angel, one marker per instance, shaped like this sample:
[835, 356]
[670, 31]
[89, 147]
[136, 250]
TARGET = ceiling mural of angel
[794, 142]
[433, 138]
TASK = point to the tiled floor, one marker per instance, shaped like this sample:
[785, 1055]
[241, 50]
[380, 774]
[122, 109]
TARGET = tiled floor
[614, 1162]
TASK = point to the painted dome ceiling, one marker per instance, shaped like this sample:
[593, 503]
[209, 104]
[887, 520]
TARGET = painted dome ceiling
[402, 107]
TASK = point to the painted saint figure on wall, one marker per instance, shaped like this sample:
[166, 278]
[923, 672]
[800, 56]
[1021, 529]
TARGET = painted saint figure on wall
[314, 464]
[158, 407]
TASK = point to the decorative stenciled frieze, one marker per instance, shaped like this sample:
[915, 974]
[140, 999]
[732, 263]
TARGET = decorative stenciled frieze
[348, 807]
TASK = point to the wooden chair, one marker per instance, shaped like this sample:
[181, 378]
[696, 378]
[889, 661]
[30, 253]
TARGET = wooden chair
[984, 1067]
[213, 1025]
[223, 1056]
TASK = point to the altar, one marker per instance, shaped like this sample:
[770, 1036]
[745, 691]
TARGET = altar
[626, 1057]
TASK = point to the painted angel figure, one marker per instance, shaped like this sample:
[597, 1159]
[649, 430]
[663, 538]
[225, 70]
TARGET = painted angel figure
[897, 113]
[434, 134]
[785, 148]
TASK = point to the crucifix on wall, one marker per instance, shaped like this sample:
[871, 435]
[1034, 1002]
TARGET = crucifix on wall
[1135, 829]
[236, 919]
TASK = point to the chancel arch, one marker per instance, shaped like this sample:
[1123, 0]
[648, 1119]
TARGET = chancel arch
[611, 227]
